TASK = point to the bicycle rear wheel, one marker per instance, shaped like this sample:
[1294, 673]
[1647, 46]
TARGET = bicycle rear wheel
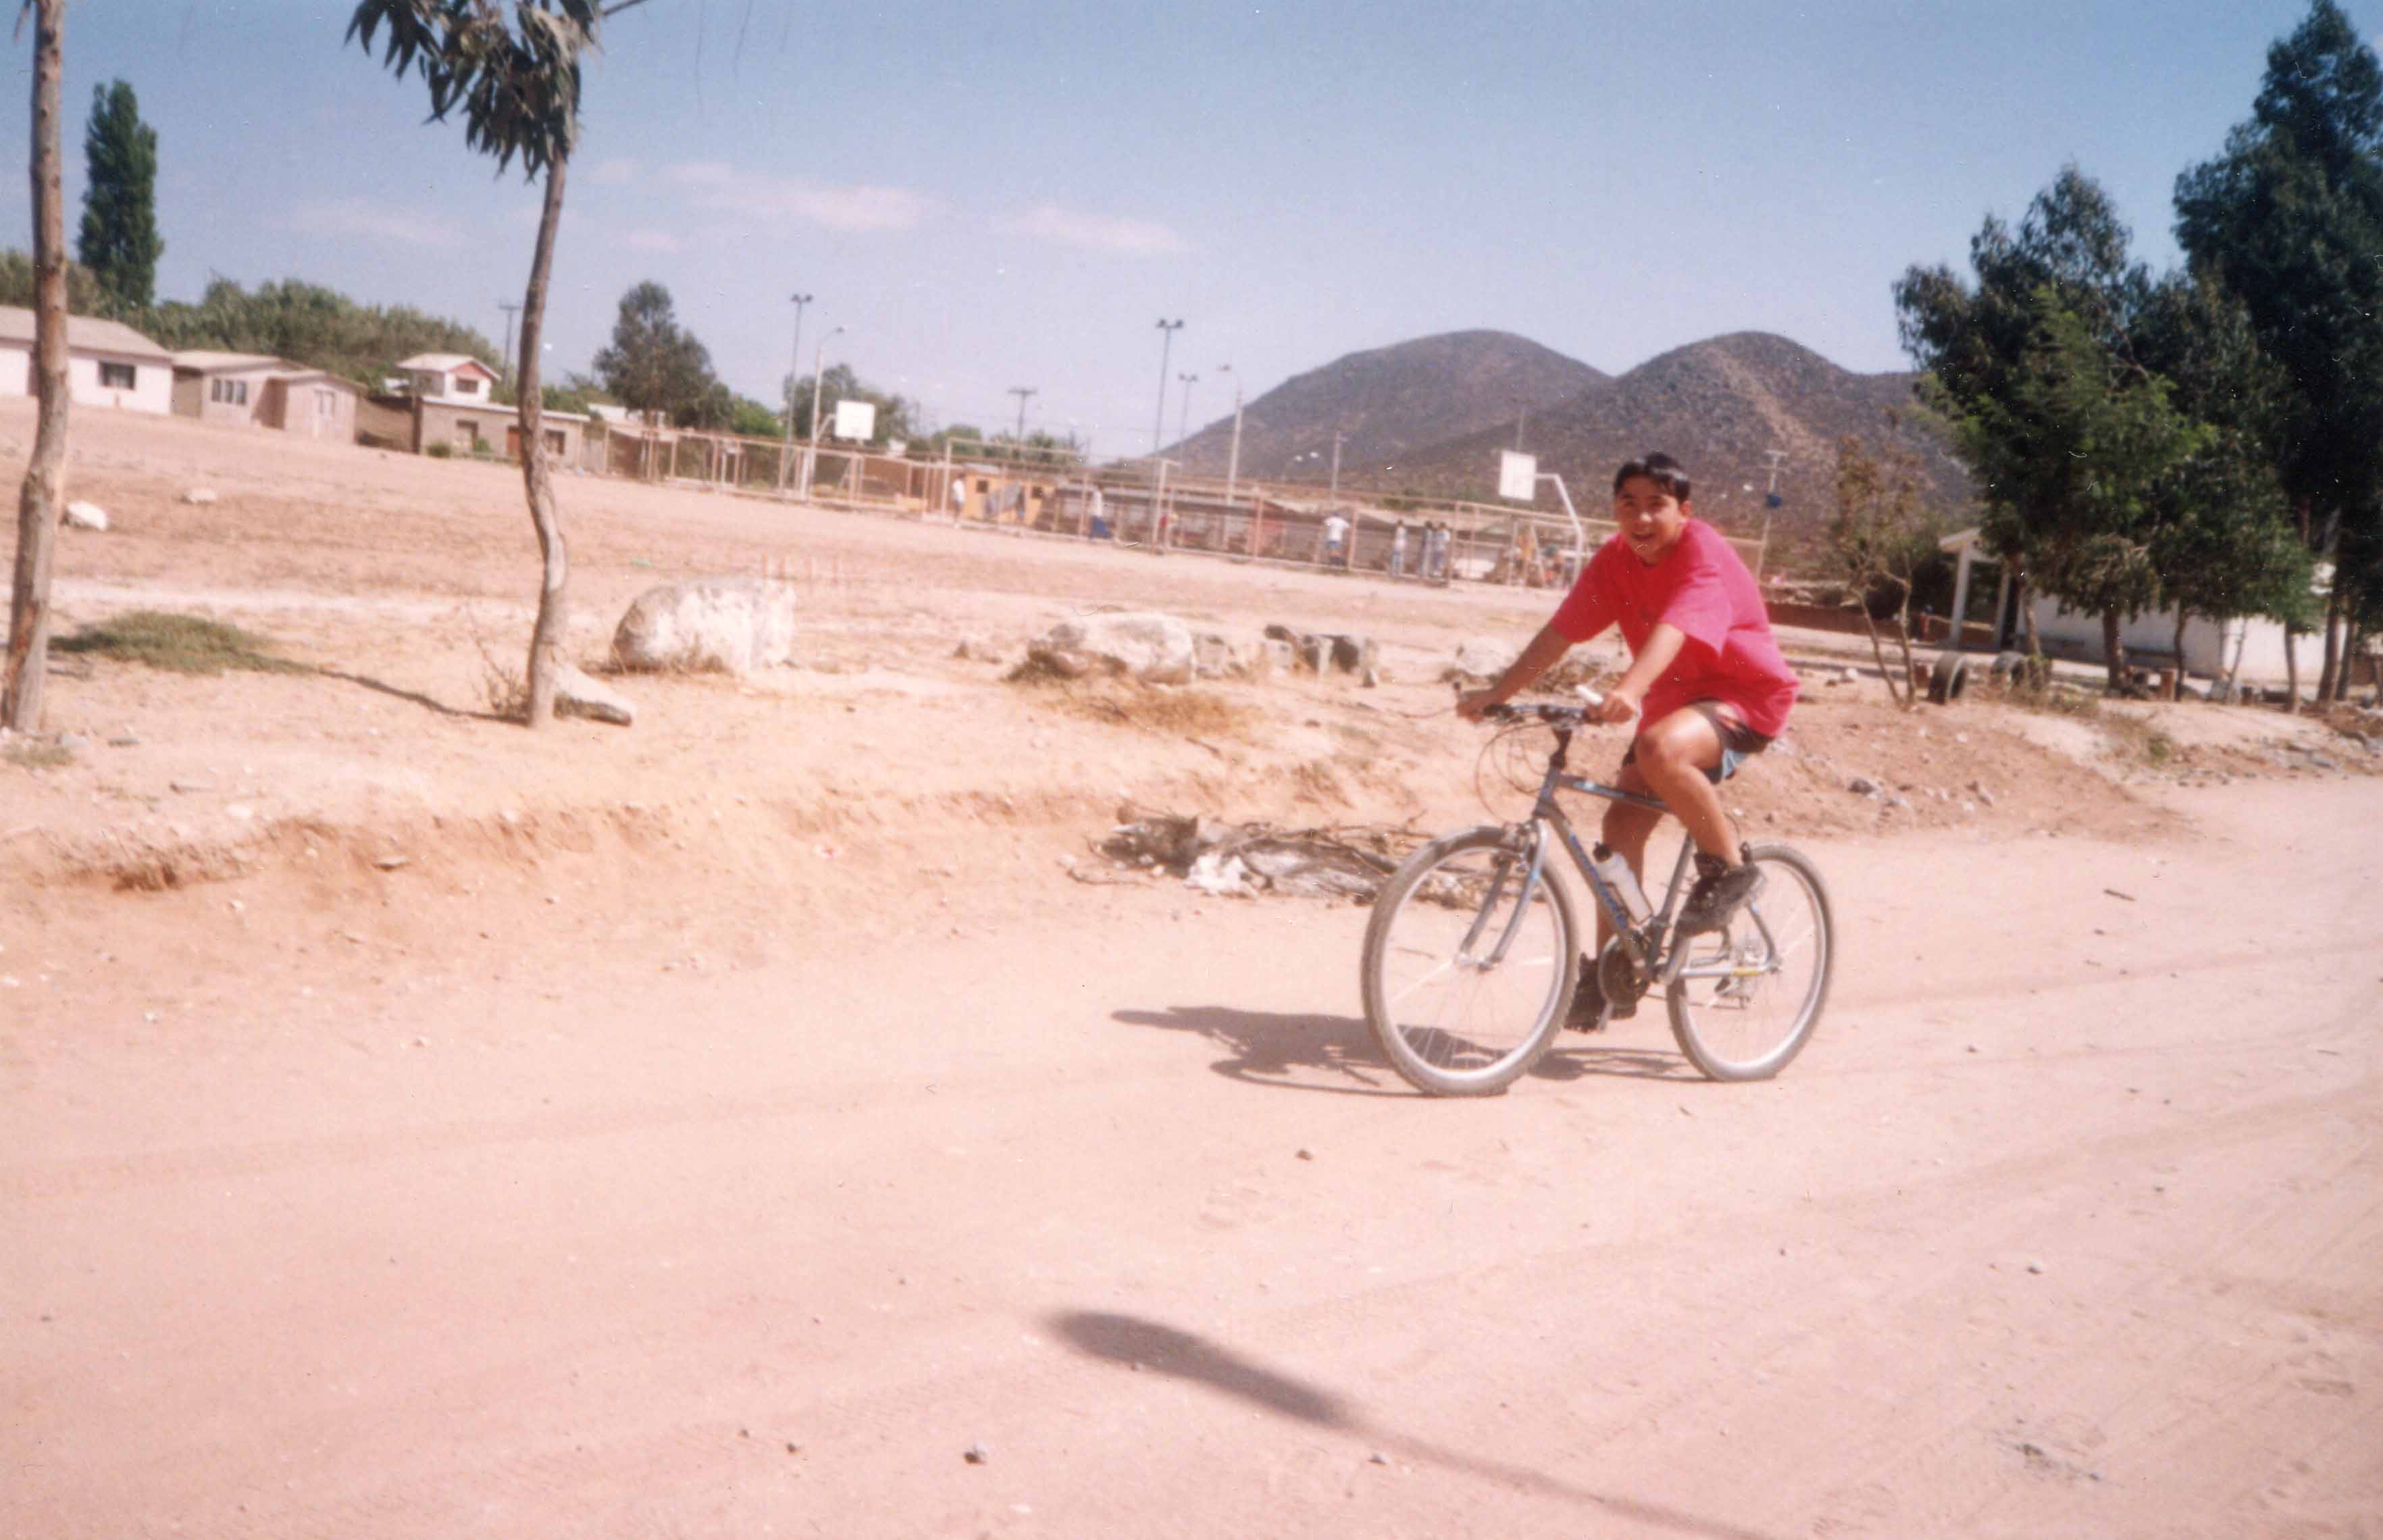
[1470, 962]
[1745, 1000]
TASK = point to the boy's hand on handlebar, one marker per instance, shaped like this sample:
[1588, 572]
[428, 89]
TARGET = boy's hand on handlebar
[1471, 703]
[1620, 705]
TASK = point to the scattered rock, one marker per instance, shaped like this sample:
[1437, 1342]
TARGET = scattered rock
[576, 694]
[1152, 647]
[977, 649]
[1315, 653]
[1356, 654]
[1862, 785]
[976, 1454]
[1216, 656]
[391, 863]
[1281, 658]
[201, 495]
[1377, 1457]
[124, 741]
[736, 625]
[85, 515]
[1371, 679]
[189, 788]
[69, 740]
[1479, 660]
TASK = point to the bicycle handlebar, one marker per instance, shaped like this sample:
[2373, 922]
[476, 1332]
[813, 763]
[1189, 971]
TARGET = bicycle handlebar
[1548, 711]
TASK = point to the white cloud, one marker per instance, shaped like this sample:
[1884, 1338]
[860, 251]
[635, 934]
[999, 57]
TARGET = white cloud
[652, 241]
[616, 172]
[1099, 232]
[712, 185]
[372, 221]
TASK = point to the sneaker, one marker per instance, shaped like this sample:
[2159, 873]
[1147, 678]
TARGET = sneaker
[1720, 891]
[1589, 1013]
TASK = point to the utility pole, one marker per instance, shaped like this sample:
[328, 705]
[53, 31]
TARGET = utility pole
[794, 372]
[1521, 413]
[1233, 462]
[1337, 438]
[1183, 423]
[1021, 392]
[1777, 459]
[509, 307]
[1166, 330]
[818, 374]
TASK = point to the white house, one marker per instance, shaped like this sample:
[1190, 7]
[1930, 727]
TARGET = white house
[456, 377]
[107, 363]
[2248, 647]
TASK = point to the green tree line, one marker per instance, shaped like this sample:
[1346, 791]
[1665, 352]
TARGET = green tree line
[2209, 438]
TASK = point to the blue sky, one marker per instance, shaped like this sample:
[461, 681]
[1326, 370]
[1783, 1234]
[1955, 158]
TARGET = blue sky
[993, 196]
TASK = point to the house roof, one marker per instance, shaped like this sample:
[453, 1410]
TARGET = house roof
[295, 375]
[205, 362]
[84, 334]
[446, 363]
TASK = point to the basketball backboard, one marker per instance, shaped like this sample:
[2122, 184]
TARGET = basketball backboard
[1518, 476]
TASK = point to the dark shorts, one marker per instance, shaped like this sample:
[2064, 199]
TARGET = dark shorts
[1739, 743]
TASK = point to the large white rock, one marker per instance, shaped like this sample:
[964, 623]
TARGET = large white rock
[576, 694]
[86, 515]
[1152, 647]
[733, 623]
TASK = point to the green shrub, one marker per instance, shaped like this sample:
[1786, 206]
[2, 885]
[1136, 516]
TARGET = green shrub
[440, 451]
[178, 644]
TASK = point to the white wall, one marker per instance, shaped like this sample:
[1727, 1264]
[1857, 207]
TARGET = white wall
[2209, 650]
[153, 379]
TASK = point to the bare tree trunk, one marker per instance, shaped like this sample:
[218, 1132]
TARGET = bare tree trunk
[2114, 649]
[2291, 669]
[553, 598]
[2025, 599]
[2328, 670]
[1910, 698]
[1878, 650]
[43, 496]
[2176, 687]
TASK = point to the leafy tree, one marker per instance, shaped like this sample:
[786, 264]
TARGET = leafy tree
[750, 419]
[120, 241]
[2077, 453]
[1976, 338]
[41, 497]
[2289, 219]
[312, 325]
[651, 364]
[20, 285]
[518, 84]
[2226, 546]
[1879, 538]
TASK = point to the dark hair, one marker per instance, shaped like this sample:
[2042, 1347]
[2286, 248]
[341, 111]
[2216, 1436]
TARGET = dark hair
[1658, 468]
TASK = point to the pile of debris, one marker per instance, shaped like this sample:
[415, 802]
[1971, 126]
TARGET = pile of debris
[1244, 860]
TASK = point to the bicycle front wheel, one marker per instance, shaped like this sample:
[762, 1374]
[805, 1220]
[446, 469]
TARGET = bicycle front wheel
[1470, 962]
[1745, 1000]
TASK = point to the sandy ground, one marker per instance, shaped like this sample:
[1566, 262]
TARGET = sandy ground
[719, 1128]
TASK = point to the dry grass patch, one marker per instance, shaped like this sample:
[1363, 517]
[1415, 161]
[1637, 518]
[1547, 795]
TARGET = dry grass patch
[1186, 712]
[180, 644]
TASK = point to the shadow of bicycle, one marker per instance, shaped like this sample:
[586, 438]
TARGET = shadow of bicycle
[1338, 1055]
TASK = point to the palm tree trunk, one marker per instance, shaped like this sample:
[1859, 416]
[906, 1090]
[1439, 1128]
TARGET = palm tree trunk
[43, 496]
[553, 598]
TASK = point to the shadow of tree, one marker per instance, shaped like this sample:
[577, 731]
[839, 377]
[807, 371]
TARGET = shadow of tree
[428, 703]
[1134, 1341]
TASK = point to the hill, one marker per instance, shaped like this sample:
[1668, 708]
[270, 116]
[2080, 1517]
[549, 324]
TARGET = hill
[1717, 406]
[1392, 402]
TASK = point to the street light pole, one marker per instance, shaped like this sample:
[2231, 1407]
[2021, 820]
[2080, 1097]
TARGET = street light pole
[1021, 392]
[1166, 330]
[1348, 555]
[1183, 421]
[794, 372]
[509, 309]
[818, 374]
[1233, 462]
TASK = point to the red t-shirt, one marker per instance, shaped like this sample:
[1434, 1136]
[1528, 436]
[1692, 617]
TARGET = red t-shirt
[1701, 588]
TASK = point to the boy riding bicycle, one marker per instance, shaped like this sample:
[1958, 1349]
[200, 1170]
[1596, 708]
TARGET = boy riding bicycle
[1707, 685]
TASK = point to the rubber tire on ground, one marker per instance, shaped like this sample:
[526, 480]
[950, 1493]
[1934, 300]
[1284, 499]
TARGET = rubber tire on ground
[1684, 1029]
[1949, 679]
[1429, 1077]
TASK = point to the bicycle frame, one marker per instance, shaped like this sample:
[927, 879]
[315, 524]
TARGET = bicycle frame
[1644, 943]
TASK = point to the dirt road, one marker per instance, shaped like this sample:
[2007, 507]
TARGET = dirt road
[2071, 1222]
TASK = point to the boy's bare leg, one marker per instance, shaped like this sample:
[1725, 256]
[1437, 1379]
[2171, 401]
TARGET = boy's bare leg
[1674, 755]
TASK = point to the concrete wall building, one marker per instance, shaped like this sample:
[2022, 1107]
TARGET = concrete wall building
[448, 377]
[258, 391]
[108, 364]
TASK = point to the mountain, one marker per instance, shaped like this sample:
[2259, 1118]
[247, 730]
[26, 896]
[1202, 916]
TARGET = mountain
[1390, 402]
[1716, 406]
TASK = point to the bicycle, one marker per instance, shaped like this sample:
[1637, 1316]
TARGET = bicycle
[1477, 923]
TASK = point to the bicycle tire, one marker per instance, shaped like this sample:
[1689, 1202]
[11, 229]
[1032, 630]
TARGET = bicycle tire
[1426, 1055]
[1787, 872]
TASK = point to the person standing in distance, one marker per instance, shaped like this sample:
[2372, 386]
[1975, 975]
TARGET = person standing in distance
[1707, 685]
